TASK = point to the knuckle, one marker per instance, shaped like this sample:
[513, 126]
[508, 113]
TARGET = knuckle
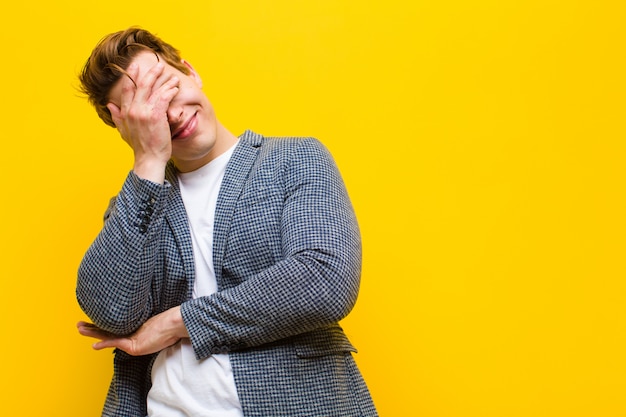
[128, 87]
[140, 115]
[134, 114]
[143, 83]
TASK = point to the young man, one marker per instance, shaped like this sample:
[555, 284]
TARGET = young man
[224, 263]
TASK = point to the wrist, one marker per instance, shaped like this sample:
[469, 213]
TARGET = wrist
[151, 170]
[176, 323]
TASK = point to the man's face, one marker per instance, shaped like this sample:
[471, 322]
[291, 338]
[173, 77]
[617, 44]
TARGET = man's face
[192, 121]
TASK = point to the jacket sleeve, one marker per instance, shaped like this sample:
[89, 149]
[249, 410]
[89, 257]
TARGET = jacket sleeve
[114, 286]
[316, 282]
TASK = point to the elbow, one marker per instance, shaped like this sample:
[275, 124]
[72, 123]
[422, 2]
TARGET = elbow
[113, 319]
[342, 297]
[337, 289]
[105, 308]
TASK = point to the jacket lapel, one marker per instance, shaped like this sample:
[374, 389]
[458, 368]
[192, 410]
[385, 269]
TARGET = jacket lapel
[177, 219]
[235, 177]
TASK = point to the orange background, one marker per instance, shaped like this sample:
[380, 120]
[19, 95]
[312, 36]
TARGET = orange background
[482, 143]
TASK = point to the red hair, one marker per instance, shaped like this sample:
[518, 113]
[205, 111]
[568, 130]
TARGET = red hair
[110, 59]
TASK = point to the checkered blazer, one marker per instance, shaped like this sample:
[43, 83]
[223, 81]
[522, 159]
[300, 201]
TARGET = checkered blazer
[287, 257]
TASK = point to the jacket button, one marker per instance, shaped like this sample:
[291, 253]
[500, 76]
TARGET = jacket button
[220, 349]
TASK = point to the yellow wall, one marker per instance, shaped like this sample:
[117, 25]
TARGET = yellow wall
[483, 146]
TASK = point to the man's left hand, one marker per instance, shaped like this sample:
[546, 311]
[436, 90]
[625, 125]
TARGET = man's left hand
[159, 332]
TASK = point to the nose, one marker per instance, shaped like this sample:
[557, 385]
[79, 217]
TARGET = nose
[174, 114]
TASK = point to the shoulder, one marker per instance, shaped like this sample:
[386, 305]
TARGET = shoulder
[282, 153]
[280, 144]
[293, 151]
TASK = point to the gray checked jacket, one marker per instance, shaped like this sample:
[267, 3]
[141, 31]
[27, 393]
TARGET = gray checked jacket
[287, 257]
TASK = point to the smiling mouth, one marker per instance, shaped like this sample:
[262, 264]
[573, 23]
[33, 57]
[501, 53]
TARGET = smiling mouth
[185, 129]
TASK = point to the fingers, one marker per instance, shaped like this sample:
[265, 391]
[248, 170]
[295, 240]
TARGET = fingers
[163, 96]
[107, 340]
[129, 86]
[91, 330]
[146, 83]
[115, 114]
[144, 97]
[170, 87]
[155, 86]
[110, 343]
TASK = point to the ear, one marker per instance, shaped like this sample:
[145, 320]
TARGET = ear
[192, 73]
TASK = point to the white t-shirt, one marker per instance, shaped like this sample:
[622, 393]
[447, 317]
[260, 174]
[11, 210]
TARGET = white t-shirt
[182, 385]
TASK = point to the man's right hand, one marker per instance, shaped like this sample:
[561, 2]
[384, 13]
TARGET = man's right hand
[141, 118]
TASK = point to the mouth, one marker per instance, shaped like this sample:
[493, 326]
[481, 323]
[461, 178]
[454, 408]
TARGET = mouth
[186, 129]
